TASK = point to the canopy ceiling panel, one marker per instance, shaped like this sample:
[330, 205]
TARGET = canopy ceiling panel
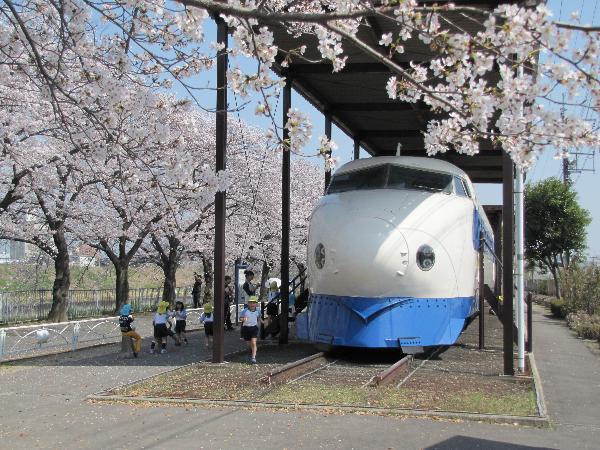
[356, 99]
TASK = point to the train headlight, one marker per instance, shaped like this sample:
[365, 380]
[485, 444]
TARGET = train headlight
[425, 257]
[320, 256]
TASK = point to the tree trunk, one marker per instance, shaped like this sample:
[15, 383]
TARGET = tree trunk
[122, 284]
[556, 283]
[169, 271]
[264, 289]
[208, 279]
[62, 280]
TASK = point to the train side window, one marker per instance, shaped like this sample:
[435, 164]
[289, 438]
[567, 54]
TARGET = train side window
[459, 187]
[357, 180]
[466, 188]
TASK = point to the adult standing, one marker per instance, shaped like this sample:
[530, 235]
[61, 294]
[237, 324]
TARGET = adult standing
[227, 301]
[196, 290]
[249, 287]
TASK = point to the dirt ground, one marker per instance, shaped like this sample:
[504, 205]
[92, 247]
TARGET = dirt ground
[460, 378]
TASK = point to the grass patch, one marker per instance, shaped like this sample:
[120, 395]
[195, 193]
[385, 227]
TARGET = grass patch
[312, 393]
[239, 382]
[518, 404]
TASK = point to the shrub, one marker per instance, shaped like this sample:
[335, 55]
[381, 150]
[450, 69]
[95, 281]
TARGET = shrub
[558, 308]
[588, 330]
[585, 325]
[581, 288]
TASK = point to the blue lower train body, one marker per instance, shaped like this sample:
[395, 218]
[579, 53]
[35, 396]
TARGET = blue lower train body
[389, 322]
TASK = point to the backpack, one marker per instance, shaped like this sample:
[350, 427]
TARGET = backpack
[124, 323]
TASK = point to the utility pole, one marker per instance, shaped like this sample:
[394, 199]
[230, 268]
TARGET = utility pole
[566, 179]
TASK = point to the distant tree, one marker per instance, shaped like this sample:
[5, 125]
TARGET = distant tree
[555, 226]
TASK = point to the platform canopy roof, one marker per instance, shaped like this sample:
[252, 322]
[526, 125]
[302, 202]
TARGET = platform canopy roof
[356, 98]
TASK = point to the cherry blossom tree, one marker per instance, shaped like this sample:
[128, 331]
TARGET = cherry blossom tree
[497, 83]
[87, 74]
[40, 217]
[153, 178]
[186, 229]
[533, 57]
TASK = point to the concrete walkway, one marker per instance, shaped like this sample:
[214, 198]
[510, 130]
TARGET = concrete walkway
[42, 406]
[570, 374]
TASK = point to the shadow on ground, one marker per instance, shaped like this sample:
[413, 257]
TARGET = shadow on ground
[470, 442]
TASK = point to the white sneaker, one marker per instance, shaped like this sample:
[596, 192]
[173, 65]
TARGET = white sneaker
[151, 350]
[163, 350]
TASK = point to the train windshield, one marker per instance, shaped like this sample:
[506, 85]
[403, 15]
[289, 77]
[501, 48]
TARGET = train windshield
[389, 176]
[422, 180]
[359, 180]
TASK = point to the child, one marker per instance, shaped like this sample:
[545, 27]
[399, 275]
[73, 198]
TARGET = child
[180, 321]
[128, 329]
[160, 327]
[250, 319]
[207, 319]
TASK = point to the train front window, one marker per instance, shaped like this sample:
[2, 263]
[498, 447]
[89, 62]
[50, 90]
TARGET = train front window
[359, 180]
[421, 180]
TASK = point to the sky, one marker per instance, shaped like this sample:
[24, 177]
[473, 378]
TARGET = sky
[586, 182]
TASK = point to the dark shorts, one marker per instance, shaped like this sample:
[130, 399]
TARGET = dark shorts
[179, 326]
[250, 332]
[208, 328]
[161, 331]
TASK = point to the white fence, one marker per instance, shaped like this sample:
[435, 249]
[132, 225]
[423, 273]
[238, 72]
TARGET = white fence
[26, 306]
[35, 340]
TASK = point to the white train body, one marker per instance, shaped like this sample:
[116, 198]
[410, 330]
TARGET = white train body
[369, 255]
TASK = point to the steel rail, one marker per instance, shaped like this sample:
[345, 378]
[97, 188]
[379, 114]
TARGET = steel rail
[294, 369]
[390, 374]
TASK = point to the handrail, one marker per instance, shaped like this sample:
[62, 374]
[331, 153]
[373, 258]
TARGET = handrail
[301, 275]
[498, 260]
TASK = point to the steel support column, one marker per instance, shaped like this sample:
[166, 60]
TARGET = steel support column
[529, 322]
[285, 218]
[328, 135]
[497, 229]
[507, 261]
[520, 269]
[481, 287]
[221, 148]
[356, 149]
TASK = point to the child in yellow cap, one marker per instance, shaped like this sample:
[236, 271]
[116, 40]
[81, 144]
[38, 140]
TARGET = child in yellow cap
[207, 318]
[161, 331]
[250, 319]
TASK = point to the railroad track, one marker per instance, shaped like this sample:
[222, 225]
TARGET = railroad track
[319, 368]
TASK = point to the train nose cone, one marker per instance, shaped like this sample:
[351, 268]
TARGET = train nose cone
[362, 255]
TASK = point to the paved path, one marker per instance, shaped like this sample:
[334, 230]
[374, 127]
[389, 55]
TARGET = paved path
[42, 406]
[570, 375]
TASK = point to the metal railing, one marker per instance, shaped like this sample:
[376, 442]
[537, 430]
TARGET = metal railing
[298, 282]
[27, 306]
[41, 339]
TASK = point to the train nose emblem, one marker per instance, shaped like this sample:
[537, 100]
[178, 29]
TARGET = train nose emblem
[320, 256]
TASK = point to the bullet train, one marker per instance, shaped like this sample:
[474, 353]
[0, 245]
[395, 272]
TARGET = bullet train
[393, 252]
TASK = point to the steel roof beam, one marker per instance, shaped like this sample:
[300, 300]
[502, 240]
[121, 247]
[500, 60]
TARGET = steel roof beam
[390, 133]
[371, 107]
[313, 69]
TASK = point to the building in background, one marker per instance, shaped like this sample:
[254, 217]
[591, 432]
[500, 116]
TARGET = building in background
[12, 251]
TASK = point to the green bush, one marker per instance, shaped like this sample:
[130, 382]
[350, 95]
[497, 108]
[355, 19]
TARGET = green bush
[559, 308]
